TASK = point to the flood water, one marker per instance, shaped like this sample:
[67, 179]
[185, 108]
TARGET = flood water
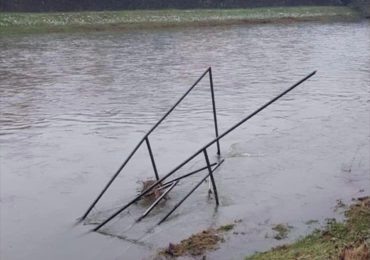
[74, 105]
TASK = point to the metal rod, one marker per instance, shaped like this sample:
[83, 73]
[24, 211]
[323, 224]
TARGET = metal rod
[152, 157]
[189, 174]
[214, 109]
[155, 203]
[111, 180]
[187, 195]
[204, 147]
[211, 176]
[260, 109]
[139, 144]
[181, 201]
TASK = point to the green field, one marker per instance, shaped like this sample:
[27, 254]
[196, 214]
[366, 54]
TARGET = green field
[14, 23]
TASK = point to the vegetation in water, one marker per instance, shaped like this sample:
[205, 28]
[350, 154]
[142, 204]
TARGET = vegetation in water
[348, 241]
[227, 227]
[148, 19]
[282, 231]
[311, 222]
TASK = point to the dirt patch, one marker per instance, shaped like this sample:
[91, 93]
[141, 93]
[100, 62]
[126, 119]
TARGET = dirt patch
[197, 244]
[358, 253]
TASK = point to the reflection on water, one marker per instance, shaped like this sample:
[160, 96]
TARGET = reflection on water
[73, 106]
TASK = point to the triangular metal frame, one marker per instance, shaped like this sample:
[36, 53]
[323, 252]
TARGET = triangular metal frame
[169, 185]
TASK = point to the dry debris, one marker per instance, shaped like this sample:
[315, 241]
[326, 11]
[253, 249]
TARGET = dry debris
[356, 253]
[152, 195]
[197, 244]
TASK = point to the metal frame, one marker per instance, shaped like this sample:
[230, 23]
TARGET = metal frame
[146, 139]
[204, 151]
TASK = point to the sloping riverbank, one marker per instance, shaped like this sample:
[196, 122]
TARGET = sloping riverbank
[349, 240]
[144, 19]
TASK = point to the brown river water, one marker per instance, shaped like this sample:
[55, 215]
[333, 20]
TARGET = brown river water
[74, 105]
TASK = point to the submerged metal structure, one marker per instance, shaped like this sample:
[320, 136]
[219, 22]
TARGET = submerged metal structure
[170, 184]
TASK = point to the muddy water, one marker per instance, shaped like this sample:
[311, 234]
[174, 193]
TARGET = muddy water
[74, 105]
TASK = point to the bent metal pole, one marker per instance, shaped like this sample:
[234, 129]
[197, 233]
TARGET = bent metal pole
[204, 147]
[140, 143]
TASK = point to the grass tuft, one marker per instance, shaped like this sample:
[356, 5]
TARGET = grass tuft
[226, 227]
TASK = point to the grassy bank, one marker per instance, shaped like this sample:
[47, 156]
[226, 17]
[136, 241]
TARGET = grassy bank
[348, 241]
[13, 23]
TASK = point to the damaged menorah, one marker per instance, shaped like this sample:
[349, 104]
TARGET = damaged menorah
[170, 184]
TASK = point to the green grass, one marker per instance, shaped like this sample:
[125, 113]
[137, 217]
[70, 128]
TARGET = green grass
[123, 20]
[349, 240]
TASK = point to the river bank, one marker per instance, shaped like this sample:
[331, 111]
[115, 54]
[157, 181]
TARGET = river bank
[113, 5]
[348, 240]
[15, 23]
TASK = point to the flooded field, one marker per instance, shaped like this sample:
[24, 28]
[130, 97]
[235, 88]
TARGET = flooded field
[74, 105]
